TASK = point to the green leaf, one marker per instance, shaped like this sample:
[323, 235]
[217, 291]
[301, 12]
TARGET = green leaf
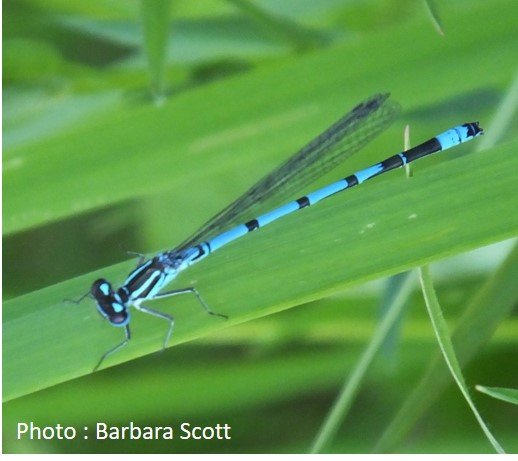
[434, 15]
[281, 28]
[448, 351]
[407, 223]
[352, 385]
[474, 329]
[136, 151]
[154, 17]
[501, 393]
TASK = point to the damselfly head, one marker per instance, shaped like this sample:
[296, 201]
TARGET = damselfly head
[109, 303]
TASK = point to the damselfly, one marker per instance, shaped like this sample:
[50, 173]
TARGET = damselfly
[326, 151]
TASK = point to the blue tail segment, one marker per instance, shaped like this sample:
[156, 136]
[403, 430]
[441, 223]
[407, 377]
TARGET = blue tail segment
[449, 138]
[347, 136]
[441, 142]
[228, 236]
[458, 135]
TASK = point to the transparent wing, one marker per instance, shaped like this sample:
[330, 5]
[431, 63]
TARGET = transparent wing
[343, 139]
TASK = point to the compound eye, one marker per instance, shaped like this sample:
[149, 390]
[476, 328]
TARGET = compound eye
[101, 288]
[119, 318]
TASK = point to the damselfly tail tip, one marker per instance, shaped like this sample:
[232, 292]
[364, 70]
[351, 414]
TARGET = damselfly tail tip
[474, 129]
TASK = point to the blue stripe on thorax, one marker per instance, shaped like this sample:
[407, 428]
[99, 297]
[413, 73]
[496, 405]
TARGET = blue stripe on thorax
[136, 273]
[154, 277]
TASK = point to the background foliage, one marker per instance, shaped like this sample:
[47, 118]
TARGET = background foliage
[128, 125]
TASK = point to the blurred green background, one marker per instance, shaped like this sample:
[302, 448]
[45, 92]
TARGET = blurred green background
[128, 124]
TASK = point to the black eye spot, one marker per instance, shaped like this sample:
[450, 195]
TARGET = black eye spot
[101, 288]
